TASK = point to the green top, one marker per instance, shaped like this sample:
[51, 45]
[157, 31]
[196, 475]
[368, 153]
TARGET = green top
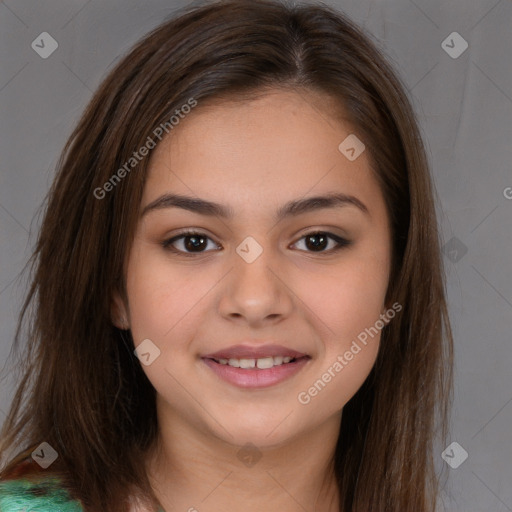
[46, 495]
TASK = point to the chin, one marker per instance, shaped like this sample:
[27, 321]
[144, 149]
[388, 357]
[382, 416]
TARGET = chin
[261, 432]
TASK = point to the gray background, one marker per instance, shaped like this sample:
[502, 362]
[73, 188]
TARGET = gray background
[464, 106]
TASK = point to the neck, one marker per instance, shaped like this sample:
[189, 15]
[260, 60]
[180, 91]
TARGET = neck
[190, 471]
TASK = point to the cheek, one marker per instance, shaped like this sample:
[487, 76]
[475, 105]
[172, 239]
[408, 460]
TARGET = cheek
[348, 297]
[340, 379]
[347, 302]
[164, 307]
[347, 315]
[162, 299]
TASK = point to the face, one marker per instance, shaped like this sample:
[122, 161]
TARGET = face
[265, 277]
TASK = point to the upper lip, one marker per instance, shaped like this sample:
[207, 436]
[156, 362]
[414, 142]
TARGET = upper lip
[248, 352]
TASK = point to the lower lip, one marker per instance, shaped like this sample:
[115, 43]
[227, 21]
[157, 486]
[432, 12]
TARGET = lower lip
[252, 378]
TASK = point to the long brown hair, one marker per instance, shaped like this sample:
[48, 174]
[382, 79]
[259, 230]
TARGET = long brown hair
[82, 389]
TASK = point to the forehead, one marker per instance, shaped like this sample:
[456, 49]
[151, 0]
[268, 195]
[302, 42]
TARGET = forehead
[303, 115]
[283, 143]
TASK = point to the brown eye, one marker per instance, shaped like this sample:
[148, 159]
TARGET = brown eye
[191, 242]
[194, 243]
[318, 241]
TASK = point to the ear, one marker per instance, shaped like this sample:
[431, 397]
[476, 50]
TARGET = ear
[118, 312]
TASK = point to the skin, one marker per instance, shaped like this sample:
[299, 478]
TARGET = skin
[255, 156]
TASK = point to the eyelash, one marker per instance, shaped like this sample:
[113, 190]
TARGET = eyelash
[167, 244]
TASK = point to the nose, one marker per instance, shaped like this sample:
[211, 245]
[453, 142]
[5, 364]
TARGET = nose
[256, 293]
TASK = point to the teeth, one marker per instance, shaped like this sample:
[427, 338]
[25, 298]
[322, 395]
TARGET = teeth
[247, 363]
[266, 362]
[262, 363]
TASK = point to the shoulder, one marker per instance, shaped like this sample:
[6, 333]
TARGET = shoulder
[36, 493]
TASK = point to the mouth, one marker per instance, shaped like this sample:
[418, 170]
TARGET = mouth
[256, 372]
[262, 363]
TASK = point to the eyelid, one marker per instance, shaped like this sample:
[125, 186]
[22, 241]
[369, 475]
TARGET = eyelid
[341, 241]
[167, 244]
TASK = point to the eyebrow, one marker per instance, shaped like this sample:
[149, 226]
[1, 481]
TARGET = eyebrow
[292, 208]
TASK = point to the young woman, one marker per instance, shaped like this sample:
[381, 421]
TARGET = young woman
[238, 297]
